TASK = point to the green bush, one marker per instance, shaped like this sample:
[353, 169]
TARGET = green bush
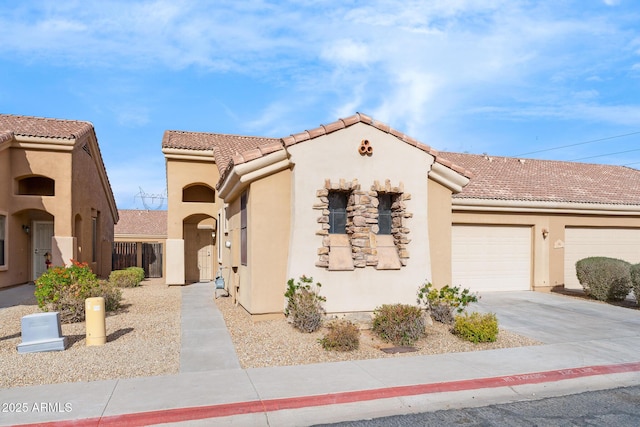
[442, 303]
[635, 281]
[476, 327]
[304, 304]
[604, 278]
[401, 324]
[124, 278]
[112, 295]
[139, 272]
[343, 335]
[65, 289]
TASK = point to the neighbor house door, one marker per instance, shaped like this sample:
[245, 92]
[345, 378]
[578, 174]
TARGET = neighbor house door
[42, 232]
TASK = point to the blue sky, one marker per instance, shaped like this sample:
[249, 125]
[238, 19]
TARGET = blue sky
[503, 77]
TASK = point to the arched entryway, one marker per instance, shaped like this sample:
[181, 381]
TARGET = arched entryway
[34, 244]
[200, 263]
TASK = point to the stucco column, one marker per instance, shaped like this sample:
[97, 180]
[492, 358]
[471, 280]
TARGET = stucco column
[175, 262]
[63, 250]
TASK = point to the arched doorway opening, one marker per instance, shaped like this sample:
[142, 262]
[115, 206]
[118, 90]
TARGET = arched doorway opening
[200, 242]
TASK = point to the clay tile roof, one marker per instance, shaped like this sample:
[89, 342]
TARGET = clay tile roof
[5, 136]
[506, 178]
[44, 127]
[141, 222]
[224, 147]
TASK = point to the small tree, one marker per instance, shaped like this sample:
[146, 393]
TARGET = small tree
[443, 303]
[304, 304]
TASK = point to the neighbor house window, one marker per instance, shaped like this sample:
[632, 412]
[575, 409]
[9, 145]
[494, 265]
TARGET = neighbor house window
[36, 186]
[3, 238]
[243, 229]
[198, 193]
[338, 212]
[384, 213]
[94, 239]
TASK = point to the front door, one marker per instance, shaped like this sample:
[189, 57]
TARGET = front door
[198, 244]
[42, 237]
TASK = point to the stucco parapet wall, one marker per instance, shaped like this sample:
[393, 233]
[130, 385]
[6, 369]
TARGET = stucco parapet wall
[363, 118]
[243, 174]
[468, 204]
[185, 154]
[448, 177]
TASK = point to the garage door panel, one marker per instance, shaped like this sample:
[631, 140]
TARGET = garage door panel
[491, 258]
[581, 242]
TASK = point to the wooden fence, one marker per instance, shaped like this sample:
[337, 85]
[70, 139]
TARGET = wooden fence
[125, 254]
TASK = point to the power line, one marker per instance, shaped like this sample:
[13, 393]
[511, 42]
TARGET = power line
[604, 155]
[579, 143]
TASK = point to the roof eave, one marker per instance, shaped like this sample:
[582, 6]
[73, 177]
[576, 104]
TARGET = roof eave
[527, 206]
[240, 176]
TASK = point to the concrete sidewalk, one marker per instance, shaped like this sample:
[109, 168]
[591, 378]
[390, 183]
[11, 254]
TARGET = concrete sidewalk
[587, 346]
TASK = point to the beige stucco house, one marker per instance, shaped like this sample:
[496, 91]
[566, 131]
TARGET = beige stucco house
[372, 213]
[56, 202]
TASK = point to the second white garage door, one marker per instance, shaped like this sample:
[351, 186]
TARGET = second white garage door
[491, 258]
[581, 242]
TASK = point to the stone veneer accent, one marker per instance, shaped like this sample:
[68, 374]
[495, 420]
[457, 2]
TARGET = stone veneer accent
[362, 220]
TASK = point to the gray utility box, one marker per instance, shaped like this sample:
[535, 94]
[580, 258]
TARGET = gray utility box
[42, 332]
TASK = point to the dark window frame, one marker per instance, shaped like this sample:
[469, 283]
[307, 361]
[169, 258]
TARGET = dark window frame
[243, 229]
[3, 240]
[338, 202]
[385, 201]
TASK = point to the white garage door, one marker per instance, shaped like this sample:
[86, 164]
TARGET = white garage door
[579, 243]
[491, 258]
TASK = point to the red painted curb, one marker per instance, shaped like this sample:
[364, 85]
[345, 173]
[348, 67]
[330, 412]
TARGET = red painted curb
[250, 407]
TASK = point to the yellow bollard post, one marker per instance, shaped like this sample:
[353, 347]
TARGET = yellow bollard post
[95, 321]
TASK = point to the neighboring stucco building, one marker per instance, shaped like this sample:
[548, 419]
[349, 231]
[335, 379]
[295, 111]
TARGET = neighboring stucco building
[139, 241]
[522, 224]
[55, 198]
[372, 213]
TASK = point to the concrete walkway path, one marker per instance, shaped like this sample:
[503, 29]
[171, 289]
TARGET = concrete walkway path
[206, 343]
[586, 346]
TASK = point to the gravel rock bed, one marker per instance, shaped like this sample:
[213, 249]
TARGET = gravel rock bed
[277, 343]
[143, 339]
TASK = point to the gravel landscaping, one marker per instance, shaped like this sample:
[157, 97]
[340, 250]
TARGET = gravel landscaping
[143, 339]
[277, 343]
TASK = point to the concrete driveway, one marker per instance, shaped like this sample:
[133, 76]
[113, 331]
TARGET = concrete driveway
[559, 319]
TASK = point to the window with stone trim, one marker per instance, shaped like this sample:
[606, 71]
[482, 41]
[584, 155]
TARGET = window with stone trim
[376, 232]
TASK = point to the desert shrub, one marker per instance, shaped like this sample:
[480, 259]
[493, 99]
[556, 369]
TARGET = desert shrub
[111, 293]
[125, 278]
[443, 303]
[65, 289]
[635, 281]
[304, 304]
[604, 278]
[343, 335]
[401, 324]
[476, 327]
[139, 272]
